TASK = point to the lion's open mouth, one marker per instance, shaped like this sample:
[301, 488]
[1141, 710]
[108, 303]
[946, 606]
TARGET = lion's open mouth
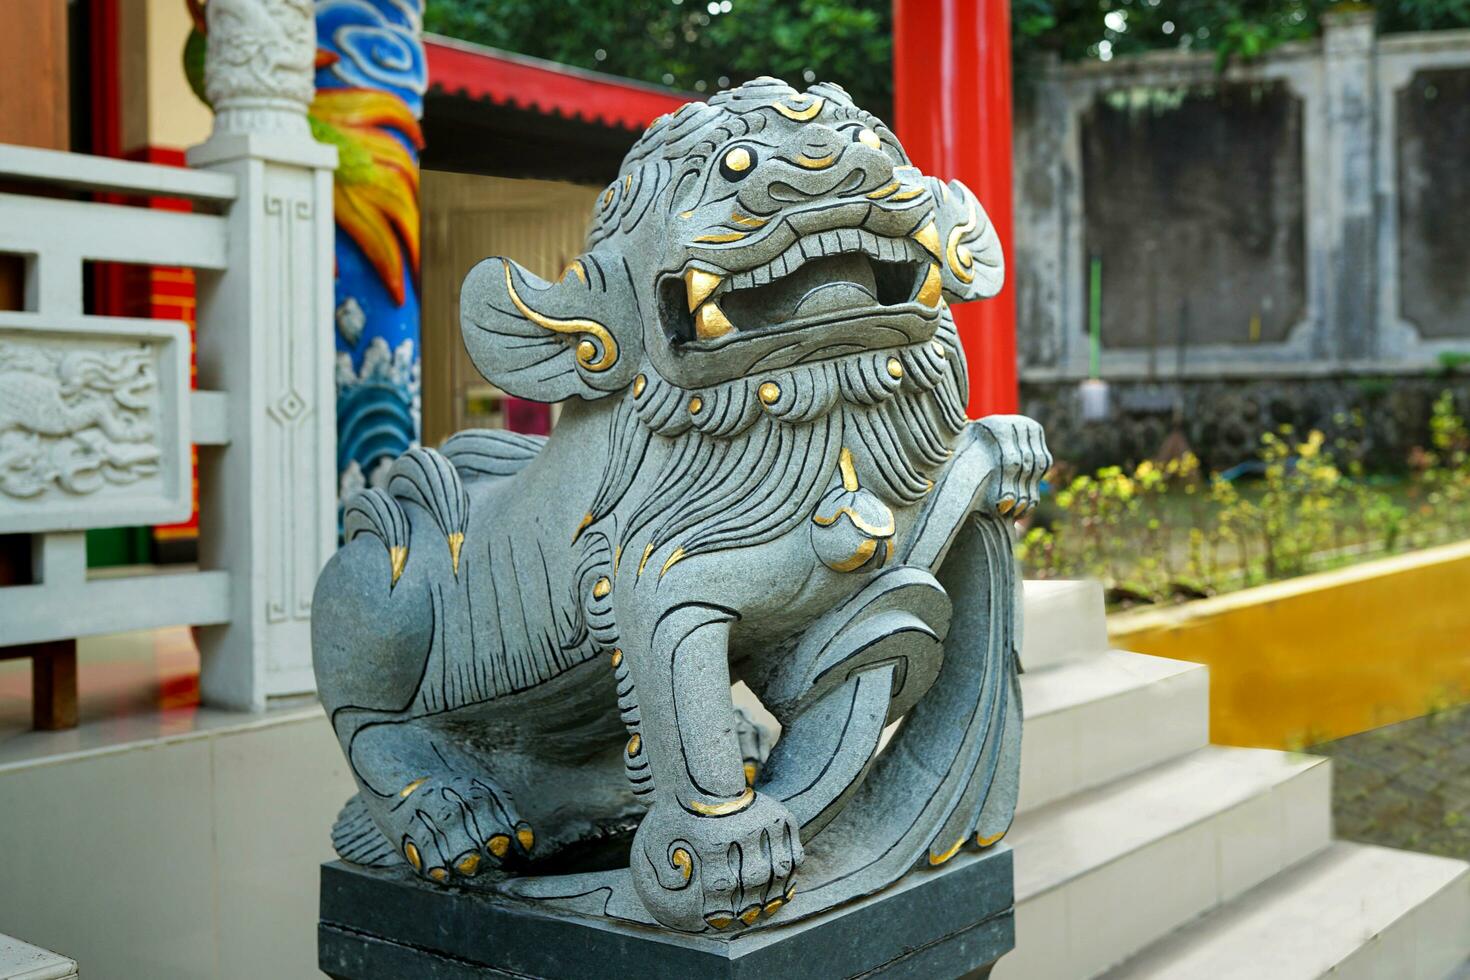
[830, 277]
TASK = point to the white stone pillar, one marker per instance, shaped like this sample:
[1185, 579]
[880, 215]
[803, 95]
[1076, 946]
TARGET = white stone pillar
[1350, 296]
[268, 497]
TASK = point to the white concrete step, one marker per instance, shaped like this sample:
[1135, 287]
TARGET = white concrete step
[1354, 911]
[1101, 875]
[1106, 716]
[1063, 620]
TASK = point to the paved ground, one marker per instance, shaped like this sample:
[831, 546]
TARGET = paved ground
[1406, 785]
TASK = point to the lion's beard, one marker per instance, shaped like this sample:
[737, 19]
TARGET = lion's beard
[718, 489]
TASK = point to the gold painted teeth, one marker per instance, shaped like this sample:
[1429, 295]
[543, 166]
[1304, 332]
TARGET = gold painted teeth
[699, 285]
[928, 236]
[932, 288]
[710, 322]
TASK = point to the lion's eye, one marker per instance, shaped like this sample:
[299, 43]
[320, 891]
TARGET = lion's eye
[737, 163]
[868, 138]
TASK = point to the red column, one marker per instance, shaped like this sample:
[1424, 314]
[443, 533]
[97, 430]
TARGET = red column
[952, 108]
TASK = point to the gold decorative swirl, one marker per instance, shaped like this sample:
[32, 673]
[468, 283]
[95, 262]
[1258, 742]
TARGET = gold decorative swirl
[585, 351]
[876, 530]
[724, 809]
[957, 263]
[799, 115]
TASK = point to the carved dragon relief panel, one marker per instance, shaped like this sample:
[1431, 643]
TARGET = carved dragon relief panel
[90, 426]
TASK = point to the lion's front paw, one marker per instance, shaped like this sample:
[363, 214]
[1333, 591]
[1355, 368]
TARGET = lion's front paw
[695, 872]
[1023, 459]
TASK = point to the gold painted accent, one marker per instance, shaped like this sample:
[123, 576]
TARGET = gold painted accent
[939, 349]
[933, 287]
[498, 845]
[639, 383]
[877, 530]
[439, 875]
[617, 658]
[683, 861]
[397, 558]
[585, 350]
[928, 236]
[719, 921]
[695, 404]
[751, 914]
[617, 558]
[412, 853]
[627, 182]
[732, 236]
[860, 557]
[724, 809]
[407, 791]
[770, 392]
[711, 323]
[938, 859]
[1005, 505]
[815, 163]
[468, 865]
[586, 521]
[526, 836]
[887, 552]
[790, 890]
[576, 266]
[646, 553]
[686, 214]
[909, 194]
[676, 557]
[601, 588]
[699, 284]
[456, 542]
[607, 197]
[799, 115]
[883, 191]
[749, 768]
[748, 220]
[895, 368]
[773, 905]
[634, 744]
[959, 262]
[869, 139]
[845, 467]
[738, 159]
[987, 841]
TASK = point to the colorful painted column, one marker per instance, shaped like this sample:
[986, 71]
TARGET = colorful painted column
[370, 82]
[952, 108]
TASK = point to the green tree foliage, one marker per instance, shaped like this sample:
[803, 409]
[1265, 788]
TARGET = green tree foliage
[702, 46]
[693, 45]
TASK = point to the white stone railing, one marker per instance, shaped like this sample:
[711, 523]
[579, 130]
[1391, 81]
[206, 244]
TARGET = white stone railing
[96, 413]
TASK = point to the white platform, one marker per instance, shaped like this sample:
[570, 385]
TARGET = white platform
[1143, 850]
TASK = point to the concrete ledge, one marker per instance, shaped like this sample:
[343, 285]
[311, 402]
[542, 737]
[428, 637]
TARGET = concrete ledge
[1323, 656]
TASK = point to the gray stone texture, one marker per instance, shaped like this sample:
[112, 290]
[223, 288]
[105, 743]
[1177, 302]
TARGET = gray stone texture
[383, 925]
[762, 471]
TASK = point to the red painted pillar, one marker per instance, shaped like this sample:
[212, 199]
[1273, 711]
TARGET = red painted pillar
[952, 108]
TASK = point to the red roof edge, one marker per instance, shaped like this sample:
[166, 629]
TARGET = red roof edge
[478, 72]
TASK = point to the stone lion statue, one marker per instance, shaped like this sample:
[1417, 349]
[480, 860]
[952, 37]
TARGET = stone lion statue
[762, 472]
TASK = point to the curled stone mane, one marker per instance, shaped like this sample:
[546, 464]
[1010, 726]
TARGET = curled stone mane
[742, 475]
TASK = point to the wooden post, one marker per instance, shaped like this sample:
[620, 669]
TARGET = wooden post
[34, 48]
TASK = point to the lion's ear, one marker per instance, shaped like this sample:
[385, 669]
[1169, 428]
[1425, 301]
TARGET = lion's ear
[970, 257]
[550, 341]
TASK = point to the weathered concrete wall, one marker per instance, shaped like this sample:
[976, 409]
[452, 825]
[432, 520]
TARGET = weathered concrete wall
[1198, 218]
[1296, 221]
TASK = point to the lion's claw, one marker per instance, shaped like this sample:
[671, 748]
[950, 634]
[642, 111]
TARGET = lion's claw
[1022, 459]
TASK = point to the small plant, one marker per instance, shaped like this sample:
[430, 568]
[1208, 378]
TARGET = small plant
[1162, 530]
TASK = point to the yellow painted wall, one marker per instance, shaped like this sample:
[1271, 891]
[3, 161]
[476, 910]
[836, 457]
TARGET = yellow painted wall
[157, 107]
[1323, 656]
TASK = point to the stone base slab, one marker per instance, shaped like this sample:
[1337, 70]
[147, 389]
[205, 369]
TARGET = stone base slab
[384, 925]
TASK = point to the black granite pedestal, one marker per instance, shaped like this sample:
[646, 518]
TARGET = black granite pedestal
[952, 921]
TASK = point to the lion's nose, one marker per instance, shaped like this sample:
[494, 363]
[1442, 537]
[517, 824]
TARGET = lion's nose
[817, 162]
[815, 148]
